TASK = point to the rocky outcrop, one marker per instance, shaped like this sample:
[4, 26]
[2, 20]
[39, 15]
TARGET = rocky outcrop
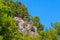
[26, 27]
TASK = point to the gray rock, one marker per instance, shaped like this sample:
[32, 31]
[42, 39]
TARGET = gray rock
[25, 27]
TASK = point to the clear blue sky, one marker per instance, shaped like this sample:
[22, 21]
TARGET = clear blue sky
[47, 10]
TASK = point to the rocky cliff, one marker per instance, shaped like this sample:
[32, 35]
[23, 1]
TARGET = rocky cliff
[26, 27]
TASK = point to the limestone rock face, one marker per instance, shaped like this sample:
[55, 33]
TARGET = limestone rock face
[26, 27]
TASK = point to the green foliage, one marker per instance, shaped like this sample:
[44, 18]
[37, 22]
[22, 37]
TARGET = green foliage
[35, 20]
[8, 26]
[1, 37]
[57, 27]
[51, 35]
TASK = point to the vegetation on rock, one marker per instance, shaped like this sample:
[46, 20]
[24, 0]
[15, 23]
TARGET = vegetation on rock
[8, 25]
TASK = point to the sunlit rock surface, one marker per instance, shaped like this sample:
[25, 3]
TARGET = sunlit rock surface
[26, 27]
